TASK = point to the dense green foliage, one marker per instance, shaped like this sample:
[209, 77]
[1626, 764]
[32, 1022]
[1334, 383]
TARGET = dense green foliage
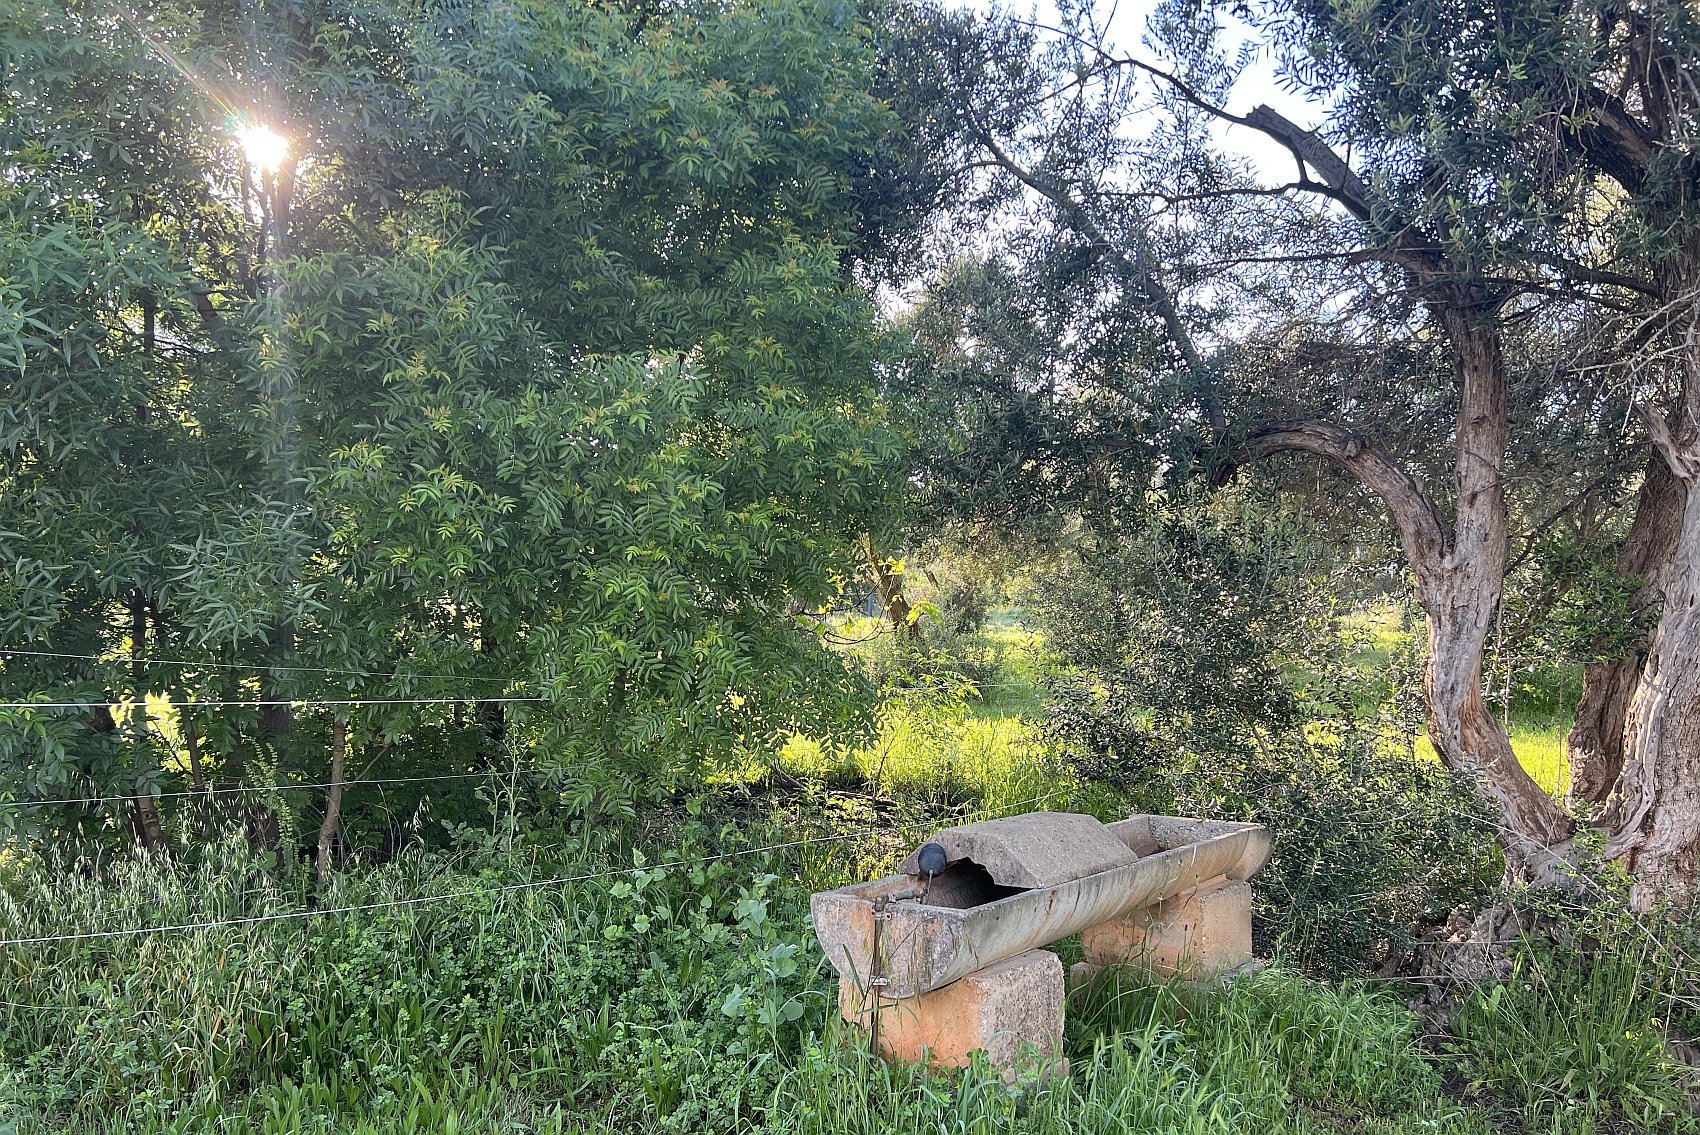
[487, 404]
[676, 992]
[533, 370]
[681, 978]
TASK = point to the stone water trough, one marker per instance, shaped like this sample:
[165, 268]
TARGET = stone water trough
[944, 959]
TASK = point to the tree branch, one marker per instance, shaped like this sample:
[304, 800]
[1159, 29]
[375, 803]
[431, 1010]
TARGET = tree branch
[1611, 138]
[1155, 290]
[1209, 194]
[1424, 535]
[1342, 181]
[1684, 463]
[1408, 248]
[1415, 252]
[1601, 276]
[1617, 142]
[1530, 538]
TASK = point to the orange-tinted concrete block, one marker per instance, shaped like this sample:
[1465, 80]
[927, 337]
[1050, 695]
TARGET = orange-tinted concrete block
[1204, 932]
[1012, 1011]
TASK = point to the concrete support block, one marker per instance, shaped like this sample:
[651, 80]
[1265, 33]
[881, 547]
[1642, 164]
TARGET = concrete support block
[1197, 934]
[1012, 1011]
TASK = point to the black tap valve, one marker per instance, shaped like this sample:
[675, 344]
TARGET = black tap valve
[932, 860]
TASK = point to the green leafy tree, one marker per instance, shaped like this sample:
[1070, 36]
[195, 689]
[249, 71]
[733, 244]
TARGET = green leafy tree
[410, 351]
[1573, 126]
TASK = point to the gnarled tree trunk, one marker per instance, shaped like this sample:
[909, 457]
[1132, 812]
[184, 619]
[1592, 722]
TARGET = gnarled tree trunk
[1595, 744]
[1651, 808]
[1534, 832]
[1460, 572]
[1657, 810]
[1654, 817]
[1461, 594]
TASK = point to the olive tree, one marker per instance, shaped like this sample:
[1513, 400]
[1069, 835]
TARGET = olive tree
[1387, 310]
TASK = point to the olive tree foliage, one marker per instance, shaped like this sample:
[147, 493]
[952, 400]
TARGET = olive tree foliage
[1211, 674]
[1574, 128]
[1410, 308]
[531, 376]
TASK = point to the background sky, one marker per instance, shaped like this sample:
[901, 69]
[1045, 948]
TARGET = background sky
[1125, 23]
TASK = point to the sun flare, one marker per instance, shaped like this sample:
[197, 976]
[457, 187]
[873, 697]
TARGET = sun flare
[264, 147]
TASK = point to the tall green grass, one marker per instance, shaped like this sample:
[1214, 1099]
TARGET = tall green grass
[696, 999]
[1273, 1053]
[1574, 1040]
[686, 1000]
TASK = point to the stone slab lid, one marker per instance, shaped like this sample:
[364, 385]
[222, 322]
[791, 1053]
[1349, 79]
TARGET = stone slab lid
[1039, 849]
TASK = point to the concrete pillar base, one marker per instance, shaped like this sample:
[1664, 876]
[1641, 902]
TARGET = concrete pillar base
[1204, 932]
[1012, 1011]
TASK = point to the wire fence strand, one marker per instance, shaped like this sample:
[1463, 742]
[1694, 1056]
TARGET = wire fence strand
[267, 789]
[269, 667]
[423, 900]
[264, 702]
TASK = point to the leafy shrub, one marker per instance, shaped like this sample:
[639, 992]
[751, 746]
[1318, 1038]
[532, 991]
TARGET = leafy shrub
[1214, 677]
[1185, 614]
[1370, 845]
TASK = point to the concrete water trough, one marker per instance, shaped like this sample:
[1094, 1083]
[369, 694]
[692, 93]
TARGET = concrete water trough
[944, 959]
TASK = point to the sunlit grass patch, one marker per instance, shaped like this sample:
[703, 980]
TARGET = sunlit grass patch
[1539, 746]
[946, 757]
[997, 761]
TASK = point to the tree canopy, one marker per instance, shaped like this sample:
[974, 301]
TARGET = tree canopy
[518, 370]
[1471, 299]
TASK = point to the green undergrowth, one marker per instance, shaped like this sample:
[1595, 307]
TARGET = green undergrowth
[952, 731]
[1577, 1038]
[941, 755]
[682, 990]
[540, 975]
[1273, 1053]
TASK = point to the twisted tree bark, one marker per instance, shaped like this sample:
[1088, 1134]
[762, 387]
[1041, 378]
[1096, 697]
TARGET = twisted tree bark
[1595, 743]
[1655, 814]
